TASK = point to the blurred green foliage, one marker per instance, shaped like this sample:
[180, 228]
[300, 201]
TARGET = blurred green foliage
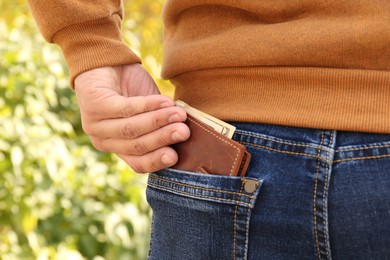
[59, 197]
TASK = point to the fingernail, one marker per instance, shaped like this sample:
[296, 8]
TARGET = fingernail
[177, 137]
[165, 104]
[167, 160]
[174, 118]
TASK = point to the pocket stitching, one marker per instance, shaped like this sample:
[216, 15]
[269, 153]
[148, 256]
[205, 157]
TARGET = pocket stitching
[250, 205]
[202, 188]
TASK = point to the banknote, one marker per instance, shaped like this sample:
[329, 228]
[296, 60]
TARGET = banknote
[214, 123]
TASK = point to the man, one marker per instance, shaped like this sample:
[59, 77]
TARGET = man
[281, 71]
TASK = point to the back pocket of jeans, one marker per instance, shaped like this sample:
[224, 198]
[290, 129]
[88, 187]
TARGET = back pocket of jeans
[200, 216]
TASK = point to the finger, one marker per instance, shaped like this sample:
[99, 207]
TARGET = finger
[151, 162]
[145, 144]
[116, 106]
[137, 81]
[136, 126]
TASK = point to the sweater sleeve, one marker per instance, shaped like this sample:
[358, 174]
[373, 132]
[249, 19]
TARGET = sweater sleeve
[88, 32]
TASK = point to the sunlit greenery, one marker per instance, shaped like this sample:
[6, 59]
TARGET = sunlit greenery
[59, 198]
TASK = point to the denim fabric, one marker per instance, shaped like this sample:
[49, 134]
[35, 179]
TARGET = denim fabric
[308, 194]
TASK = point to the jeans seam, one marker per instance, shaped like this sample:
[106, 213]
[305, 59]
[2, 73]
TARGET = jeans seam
[247, 233]
[201, 196]
[151, 240]
[315, 196]
[201, 188]
[282, 151]
[362, 158]
[362, 148]
[324, 202]
[235, 225]
[278, 141]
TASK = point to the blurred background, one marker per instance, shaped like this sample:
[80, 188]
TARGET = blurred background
[59, 197]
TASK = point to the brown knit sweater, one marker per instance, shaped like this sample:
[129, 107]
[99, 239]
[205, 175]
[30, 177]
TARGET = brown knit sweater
[308, 63]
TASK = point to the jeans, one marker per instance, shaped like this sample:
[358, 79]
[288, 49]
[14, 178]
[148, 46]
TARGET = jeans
[308, 194]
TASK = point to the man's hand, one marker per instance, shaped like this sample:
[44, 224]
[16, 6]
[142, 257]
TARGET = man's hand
[122, 112]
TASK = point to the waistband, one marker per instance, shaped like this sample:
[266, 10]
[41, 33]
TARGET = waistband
[338, 146]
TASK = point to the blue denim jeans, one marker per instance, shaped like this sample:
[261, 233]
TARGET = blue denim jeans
[308, 194]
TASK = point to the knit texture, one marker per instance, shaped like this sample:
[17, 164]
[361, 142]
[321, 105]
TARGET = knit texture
[306, 63]
[88, 32]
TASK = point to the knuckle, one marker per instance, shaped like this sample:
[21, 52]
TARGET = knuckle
[138, 149]
[126, 111]
[164, 140]
[137, 167]
[90, 113]
[86, 128]
[145, 164]
[147, 104]
[157, 123]
[98, 144]
[129, 131]
[154, 165]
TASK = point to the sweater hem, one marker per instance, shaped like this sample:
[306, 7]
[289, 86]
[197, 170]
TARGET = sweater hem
[320, 98]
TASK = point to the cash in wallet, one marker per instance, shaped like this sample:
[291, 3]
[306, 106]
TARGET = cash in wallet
[210, 149]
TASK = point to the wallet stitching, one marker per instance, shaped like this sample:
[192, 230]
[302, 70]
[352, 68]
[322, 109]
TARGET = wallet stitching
[207, 130]
[203, 188]
[202, 196]
[245, 158]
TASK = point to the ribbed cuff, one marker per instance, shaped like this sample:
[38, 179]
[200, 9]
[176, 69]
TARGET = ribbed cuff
[94, 44]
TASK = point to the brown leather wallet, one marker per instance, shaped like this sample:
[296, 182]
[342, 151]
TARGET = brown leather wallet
[207, 151]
